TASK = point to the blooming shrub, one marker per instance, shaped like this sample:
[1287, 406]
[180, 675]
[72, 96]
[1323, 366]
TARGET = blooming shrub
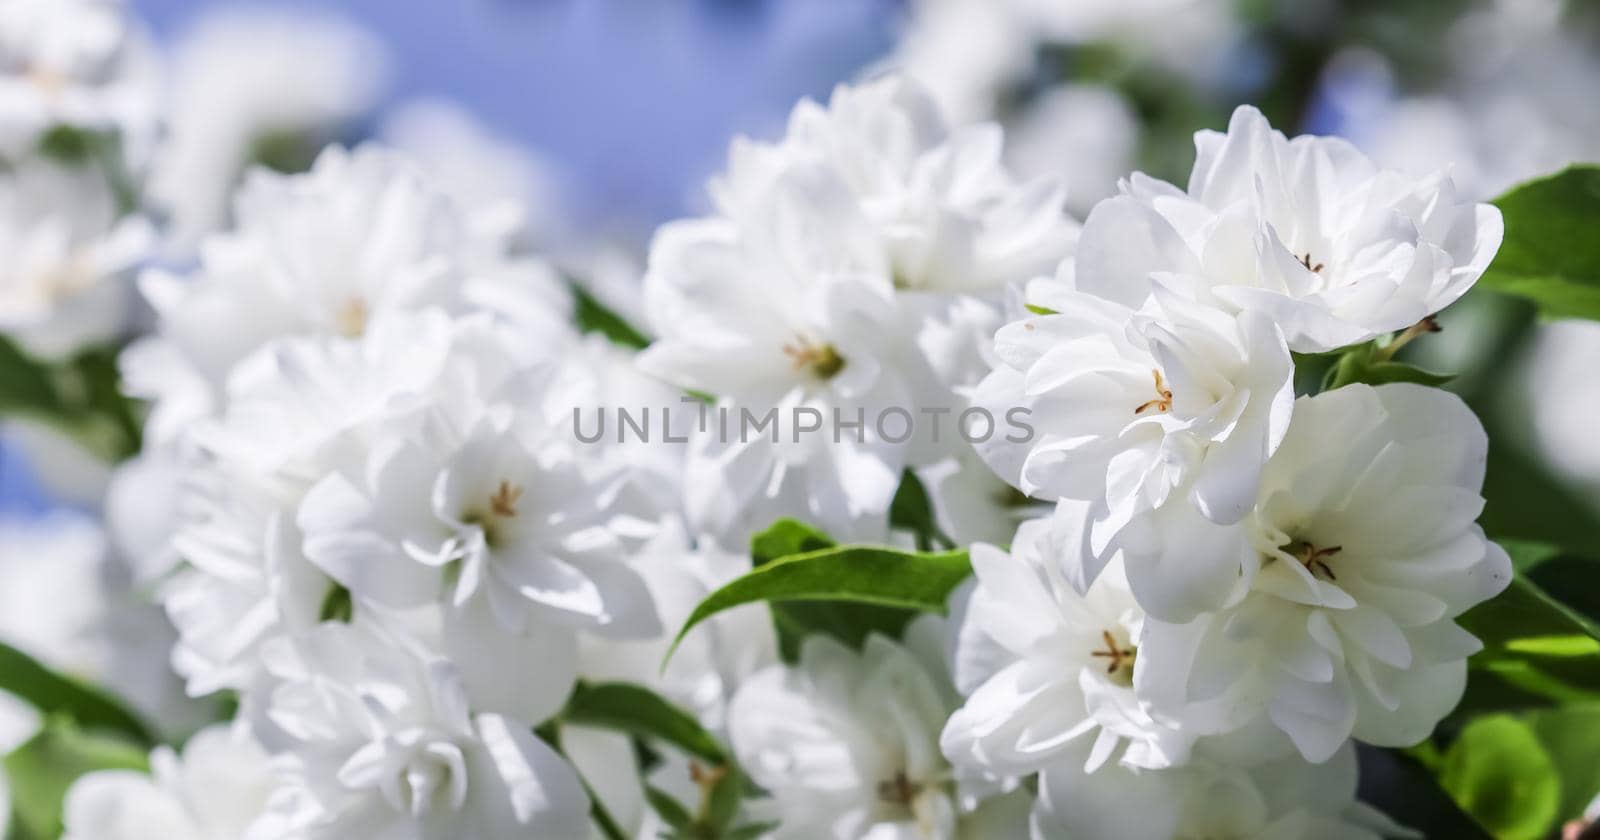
[911, 507]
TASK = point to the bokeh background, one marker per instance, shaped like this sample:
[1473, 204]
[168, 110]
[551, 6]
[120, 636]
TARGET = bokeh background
[605, 117]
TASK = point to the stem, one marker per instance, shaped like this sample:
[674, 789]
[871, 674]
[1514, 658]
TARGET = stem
[602, 818]
[1426, 325]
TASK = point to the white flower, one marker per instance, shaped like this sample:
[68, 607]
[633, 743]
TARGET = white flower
[64, 283]
[1045, 668]
[1345, 580]
[217, 789]
[513, 193]
[1084, 134]
[832, 252]
[1307, 232]
[847, 743]
[971, 504]
[712, 661]
[1286, 799]
[77, 63]
[253, 80]
[380, 742]
[1559, 394]
[1133, 409]
[298, 410]
[325, 253]
[66, 601]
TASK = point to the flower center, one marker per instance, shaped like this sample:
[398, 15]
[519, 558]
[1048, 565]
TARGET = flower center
[1313, 558]
[351, 318]
[1119, 659]
[822, 361]
[502, 505]
[1163, 400]
[899, 790]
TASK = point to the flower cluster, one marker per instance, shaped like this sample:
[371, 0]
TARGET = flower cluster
[1233, 579]
[369, 512]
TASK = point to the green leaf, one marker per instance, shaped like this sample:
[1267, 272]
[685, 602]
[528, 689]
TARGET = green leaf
[638, 711]
[81, 397]
[913, 511]
[1571, 737]
[670, 810]
[1498, 772]
[1366, 364]
[884, 577]
[1533, 642]
[848, 622]
[57, 695]
[1040, 310]
[42, 769]
[786, 538]
[593, 316]
[1550, 254]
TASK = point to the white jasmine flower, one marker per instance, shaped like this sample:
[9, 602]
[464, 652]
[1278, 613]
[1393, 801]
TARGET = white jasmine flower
[1086, 135]
[217, 789]
[66, 601]
[380, 741]
[248, 82]
[847, 745]
[811, 289]
[1307, 232]
[1345, 580]
[711, 662]
[297, 410]
[971, 504]
[76, 63]
[1045, 668]
[1286, 799]
[64, 284]
[967, 54]
[513, 193]
[325, 253]
[1134, 408]
[1558, 394]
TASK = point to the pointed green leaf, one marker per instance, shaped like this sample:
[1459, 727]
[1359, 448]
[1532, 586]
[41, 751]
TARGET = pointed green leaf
[639, 711]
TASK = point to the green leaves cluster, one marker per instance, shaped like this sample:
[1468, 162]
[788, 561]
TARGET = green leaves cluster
[80, 397]
[84, 730]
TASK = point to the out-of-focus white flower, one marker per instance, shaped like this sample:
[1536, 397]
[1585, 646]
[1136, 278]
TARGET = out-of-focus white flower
[68, 603]
[250, 82]
[1307, 232]
[966, 53]
[847, 744]
[82, 64]
[1560, 393]
[971, 504]
[811, 290]
[1135, 407]
[1344, 583]
[380, 742]
[513, 194]
[1286, 798]
[1084, 135]
[325, 253]
[64, 283]
[1512, 106]
[217, 789]
[1044, 668]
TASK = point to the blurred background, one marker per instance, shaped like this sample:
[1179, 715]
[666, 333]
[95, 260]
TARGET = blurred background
[604, 118]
